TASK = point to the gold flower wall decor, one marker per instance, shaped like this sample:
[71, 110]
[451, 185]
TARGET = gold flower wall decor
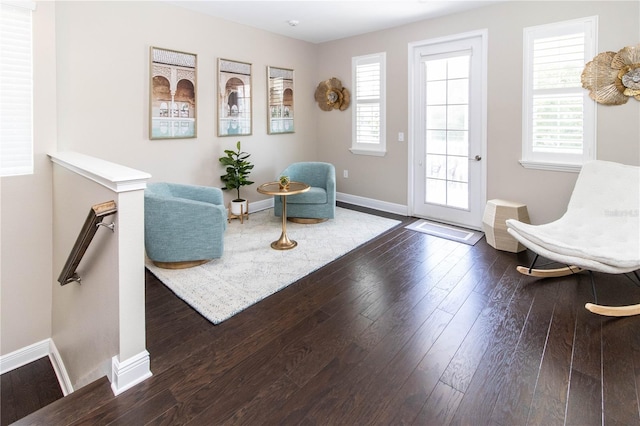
[612, 78]
[331, 95]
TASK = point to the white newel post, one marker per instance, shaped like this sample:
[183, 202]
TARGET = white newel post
[131, 366]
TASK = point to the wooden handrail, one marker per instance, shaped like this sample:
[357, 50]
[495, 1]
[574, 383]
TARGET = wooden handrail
[94, 219]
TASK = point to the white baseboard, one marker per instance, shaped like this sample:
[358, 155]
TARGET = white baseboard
[384, 206]
[34, 352]
[130, 372]
[256, 206]
[345, 198]
[24, 356]
[60, 369]
[124, 375]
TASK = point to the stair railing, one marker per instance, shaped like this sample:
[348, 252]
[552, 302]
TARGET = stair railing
[94, 219]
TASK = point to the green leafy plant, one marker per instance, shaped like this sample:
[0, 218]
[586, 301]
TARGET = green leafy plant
[284, 181]
[238, 169]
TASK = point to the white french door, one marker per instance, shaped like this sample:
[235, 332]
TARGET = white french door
[448, 129]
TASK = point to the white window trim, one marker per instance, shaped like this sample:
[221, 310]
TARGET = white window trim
[13, 83]
[558, 162]
[379, 149]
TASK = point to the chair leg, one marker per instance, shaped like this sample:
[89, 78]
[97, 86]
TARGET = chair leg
[635, 273]
[611, 311]
[614, 311]
[593, 288]
[533, 262]
[549, 273]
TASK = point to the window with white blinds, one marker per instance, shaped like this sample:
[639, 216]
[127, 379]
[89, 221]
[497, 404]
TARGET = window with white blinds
[369, 111]
[558, 115]
[16, 88]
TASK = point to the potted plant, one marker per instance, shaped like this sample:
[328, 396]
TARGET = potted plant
[238, 169]
[284, 182]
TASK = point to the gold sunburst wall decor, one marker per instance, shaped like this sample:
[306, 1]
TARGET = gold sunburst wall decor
[612, 78]
[331, 95]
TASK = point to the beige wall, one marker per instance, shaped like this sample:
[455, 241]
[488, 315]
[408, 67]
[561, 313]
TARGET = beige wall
[546, 193]
[26, 201]
[103, 79]
[92, 67]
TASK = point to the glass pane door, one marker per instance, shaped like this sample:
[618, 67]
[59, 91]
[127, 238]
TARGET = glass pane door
[447, 131]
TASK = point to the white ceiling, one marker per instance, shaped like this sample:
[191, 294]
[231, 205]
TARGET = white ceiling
[325, 20]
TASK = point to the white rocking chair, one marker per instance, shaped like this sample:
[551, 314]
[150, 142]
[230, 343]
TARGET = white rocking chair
[600, 230]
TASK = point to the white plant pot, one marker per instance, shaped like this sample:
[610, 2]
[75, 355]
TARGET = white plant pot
[239, 207]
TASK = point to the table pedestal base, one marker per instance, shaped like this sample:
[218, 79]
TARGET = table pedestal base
[283, 243]
[274, 188]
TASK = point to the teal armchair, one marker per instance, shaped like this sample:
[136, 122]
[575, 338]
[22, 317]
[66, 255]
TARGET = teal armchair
[319, 203]
[184, 225]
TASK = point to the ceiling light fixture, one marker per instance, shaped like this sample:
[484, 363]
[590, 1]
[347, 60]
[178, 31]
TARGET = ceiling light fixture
[293, 22]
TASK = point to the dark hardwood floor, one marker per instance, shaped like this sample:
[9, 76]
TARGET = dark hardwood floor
[27, 389]
[407, 329]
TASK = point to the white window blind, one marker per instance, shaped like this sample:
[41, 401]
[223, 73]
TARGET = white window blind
[16, 88]
[369, 104]
[558, 115]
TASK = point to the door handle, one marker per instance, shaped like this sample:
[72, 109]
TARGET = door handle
[476, 158]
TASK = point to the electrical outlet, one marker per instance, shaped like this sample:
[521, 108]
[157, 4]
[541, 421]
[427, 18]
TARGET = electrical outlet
[400, 137]
[345, 174]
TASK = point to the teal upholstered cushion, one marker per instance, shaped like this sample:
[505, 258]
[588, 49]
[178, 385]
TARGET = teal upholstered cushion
[183, 222]
[317, 203]
[314, 195]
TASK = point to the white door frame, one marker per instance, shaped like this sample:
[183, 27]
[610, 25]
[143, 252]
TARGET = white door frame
[483, 34]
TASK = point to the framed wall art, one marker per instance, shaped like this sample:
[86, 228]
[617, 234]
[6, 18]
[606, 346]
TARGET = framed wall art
[234, 98]
[280, 99]
[172, 94]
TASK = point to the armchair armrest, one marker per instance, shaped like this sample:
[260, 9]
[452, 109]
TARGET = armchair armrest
[331, 181]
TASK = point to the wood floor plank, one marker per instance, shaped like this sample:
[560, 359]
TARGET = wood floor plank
[617, 362]
[440, 407]
[635, 356]
[584, 404]
[23, 384]
[73, 407]
[323, 345]
[405, 403]
[323, 388]
[516, 395]
[464, 288]
[129, 401]
[144, 412]
[492, 372]
[406, 329]
[213, 393]
[584, 401]
[550, 398]
[268, 399]
[393, 359]
[8, 412]
[345, 402]
[464, 364]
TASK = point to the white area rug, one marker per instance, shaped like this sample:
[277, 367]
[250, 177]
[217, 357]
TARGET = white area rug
[448, 232]
[251, 270]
